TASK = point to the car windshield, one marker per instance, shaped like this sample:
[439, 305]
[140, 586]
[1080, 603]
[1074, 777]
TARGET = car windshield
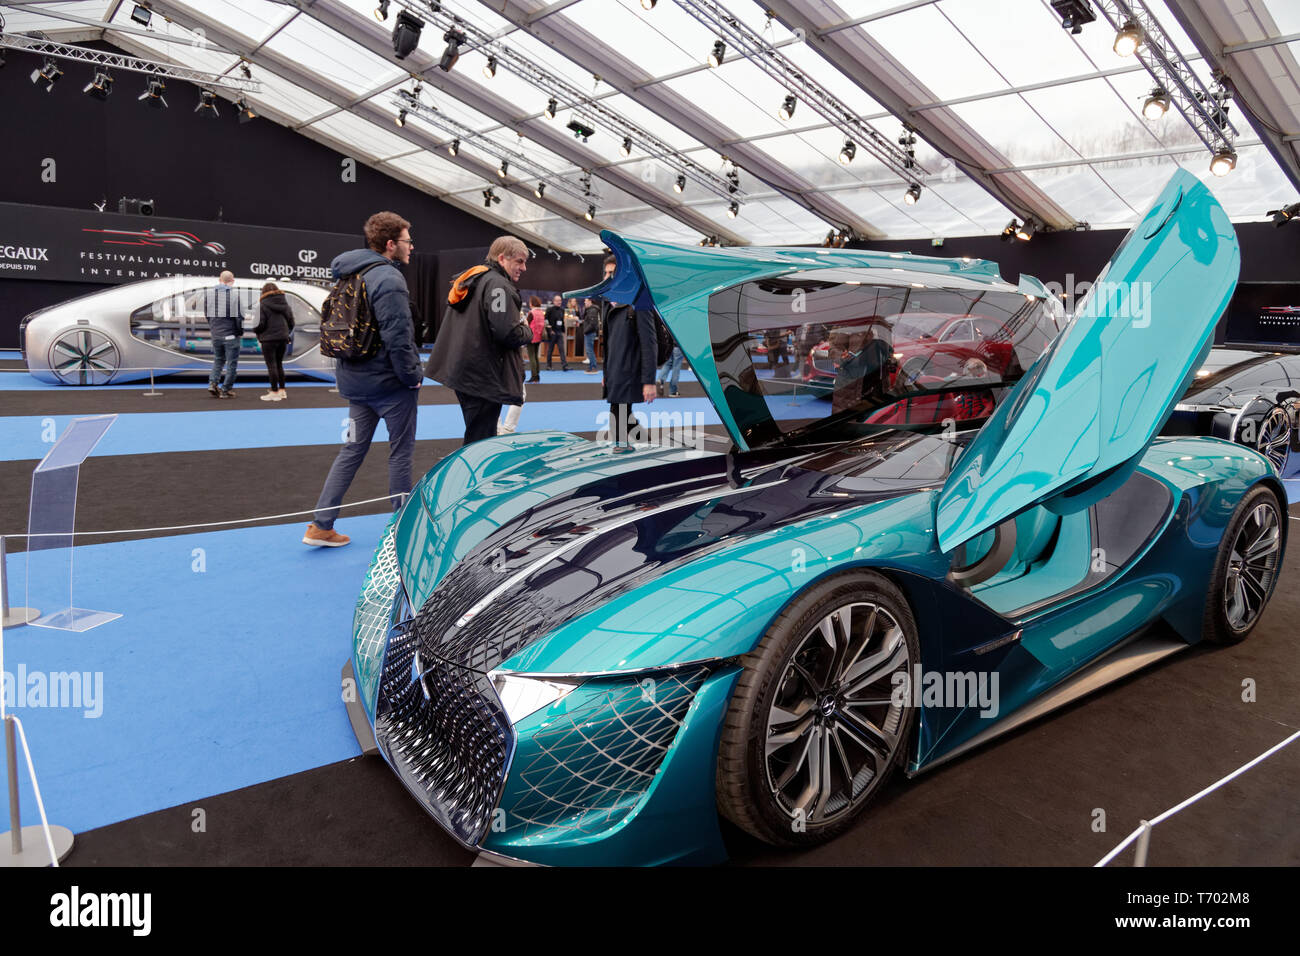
[803, 357]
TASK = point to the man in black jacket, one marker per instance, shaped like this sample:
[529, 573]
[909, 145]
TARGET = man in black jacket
[555, 333]
[386, 385]
[477, 350]
[631, 345]
[590, 331]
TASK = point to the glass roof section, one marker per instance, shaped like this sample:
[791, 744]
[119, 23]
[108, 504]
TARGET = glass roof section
[1061, 110]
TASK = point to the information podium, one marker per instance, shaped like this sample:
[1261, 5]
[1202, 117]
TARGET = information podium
[50, 523]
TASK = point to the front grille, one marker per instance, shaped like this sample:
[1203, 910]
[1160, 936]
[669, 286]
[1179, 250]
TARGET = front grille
[588, 769]
[445, 735]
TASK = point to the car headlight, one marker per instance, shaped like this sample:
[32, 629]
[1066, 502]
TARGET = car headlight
[521, 695]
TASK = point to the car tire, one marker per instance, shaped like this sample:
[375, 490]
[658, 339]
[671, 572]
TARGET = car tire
[797, 671]
[1246, 569]
[1269, 428]
[82, 355]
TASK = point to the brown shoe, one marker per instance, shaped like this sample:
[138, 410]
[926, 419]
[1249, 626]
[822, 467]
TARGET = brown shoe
[320, 538]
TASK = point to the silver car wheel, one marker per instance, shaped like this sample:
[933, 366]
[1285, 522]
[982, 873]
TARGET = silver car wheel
[84, 357]
[1274, 440]
[1252, 566]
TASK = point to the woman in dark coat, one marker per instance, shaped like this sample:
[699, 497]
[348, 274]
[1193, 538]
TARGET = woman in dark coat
[274, 330]
[631, 347]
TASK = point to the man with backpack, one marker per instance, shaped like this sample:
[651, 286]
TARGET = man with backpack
[477, 350]
[366, 325]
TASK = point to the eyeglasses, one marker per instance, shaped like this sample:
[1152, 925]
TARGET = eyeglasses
[409, 242]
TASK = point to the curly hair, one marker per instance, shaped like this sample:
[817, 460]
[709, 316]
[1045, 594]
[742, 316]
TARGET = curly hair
[383, 226]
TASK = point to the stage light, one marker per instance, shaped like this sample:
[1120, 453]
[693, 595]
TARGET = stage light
[1074, 14]
[581, 130]
[626, 148]
[451, 53]
[848, 152]
[246, 114]
[504, 168]
[733, 210]
[153, 94]
[1224, 162]
[590, 214]
[489, 197]
[552, 107]
[243, 68]
[648, 4]
[540, 191]
[453, 148]
[680, 184]
[381, 11]
[1286, 214]
[1026, 230]
[1128, 39]
[913, 194]
[207, 107]
[717, 54]
[787, 107]
[141, 14]
[100, 86]
[1009, 230]
[733, 181]
[490, 67]
[406, 34]
[1156, 105]
[49, 73]
[401, 117]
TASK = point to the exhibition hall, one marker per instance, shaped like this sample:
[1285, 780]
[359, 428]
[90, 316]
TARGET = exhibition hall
[633, 433]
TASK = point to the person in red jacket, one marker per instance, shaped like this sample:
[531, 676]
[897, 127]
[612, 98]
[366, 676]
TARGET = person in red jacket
[537, 324]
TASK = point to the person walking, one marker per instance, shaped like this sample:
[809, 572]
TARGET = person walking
[555, 333]
[386, 385]
[226, 325]
[274, 331]
[590, 332]
[537, 326]
[673, 366]
[631, 346]
[477, 350]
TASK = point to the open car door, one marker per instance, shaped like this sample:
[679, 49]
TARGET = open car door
[1102, 390]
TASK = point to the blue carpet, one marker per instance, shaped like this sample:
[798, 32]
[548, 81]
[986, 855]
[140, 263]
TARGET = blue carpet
[211, 681]
[152, 432]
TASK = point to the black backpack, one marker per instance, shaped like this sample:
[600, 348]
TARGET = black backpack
[664, 342]
[348, 329]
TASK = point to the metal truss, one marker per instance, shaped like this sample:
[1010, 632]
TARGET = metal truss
[411, 103]
[1204, 109]
[591, 110]
[752, 46]
[118, 61]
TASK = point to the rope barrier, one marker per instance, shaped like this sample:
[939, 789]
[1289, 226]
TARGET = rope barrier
[1147, 825]
[208, 524]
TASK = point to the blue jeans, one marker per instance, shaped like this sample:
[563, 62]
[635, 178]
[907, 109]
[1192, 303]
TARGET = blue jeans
[225, 352]
[589, 340]
[674, 364]
[398, 411]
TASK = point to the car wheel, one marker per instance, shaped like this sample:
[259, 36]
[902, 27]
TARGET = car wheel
[909, 372]
[83, 356]
[1246, 570]
[814, 727]
[1267, 428]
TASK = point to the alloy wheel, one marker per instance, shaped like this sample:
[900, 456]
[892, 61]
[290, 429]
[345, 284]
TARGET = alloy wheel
[1274, 441]
[834, 726]
[84, 357]
[1252, 566]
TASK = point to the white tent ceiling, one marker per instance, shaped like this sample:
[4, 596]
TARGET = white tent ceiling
[1013, 114]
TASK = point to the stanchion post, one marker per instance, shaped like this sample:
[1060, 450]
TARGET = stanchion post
[11, 760]
[1143, 843]
[15, 616]
[152, 393]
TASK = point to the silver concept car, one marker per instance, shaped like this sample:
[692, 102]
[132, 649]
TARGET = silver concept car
[124, 333]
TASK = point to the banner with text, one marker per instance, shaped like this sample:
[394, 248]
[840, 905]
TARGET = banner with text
[71, 245]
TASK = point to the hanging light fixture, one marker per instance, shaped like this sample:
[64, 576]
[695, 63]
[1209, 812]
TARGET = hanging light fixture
[1156, 105]
[153, 94]
[504, 168]
[733, 210]
[717, 54]
[401, 117]
[540, 190]
[1025, 231]
[453, 147]
[913, 194]
[787, 107]
[49, 73]
[680, 184]
[552, 107]
[626, 148]
[590, 214]
[648, 4]
[1128, 39]
[207, 107]
[381, 11]
[246, 114]
[1224, 162]
[847, 152]
[99, 87]
[490, 67]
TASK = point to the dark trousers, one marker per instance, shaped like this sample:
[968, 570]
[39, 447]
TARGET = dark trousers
[623, 428]
[554, 345]
[480, 416]
[398, 412]
[532, 361]
[273, 352]
[225, 355]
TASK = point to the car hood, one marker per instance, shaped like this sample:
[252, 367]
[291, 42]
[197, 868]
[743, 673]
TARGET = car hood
[577, 550]
[1104, 387]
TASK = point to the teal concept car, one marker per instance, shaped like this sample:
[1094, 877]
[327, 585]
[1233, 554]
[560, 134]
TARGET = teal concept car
[570, 656]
